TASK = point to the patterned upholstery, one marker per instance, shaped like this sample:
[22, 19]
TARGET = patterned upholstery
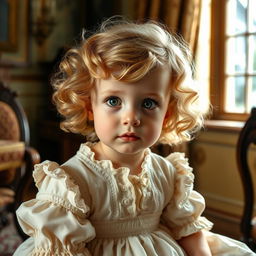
[11, 157]
[11, 149]
[9, 126]
[17, 158]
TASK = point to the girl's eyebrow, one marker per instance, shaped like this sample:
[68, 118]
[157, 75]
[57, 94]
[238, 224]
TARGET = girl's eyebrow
[111, 92]
[158, 95]
[120, 91]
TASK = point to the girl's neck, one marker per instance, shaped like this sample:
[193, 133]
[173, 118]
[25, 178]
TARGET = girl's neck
[131, 161]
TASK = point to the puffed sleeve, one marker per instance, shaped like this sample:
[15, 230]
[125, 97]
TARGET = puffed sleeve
[182, 215]
[57, 217]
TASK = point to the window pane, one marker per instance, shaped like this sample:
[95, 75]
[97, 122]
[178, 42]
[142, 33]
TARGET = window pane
[235, 94]
[236, 55]
[252, 54]
[236, 16]
[252, 16]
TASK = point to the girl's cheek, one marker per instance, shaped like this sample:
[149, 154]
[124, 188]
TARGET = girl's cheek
[107, 124]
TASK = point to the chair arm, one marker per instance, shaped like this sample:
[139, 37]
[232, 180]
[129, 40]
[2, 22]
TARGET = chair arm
[31, 158]
[26, 189]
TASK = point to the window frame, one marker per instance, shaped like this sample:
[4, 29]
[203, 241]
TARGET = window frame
[218, 62]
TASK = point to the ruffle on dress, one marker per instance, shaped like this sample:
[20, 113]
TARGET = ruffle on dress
[73, 200]
[56, 218]
[184, 178]
[183, 213]
[87, 155]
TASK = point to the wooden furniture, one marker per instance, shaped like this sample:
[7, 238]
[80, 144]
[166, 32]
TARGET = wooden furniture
[17, 158]
[11, 154]
[246, 138]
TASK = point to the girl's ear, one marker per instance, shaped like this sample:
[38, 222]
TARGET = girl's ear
[90, 115]
[88, 106]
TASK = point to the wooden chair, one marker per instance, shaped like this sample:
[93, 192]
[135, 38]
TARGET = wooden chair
[17, 158]
[246, 138]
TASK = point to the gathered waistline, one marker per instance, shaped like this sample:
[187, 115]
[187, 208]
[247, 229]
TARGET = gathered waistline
[126, 227]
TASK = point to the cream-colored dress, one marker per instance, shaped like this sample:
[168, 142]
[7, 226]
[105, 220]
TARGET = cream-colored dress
[86, 207]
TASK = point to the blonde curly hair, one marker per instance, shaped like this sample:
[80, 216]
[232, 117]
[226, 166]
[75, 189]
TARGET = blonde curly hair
[127, 51]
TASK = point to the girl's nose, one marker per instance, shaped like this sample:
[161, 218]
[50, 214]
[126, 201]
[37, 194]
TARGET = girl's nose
[131, 119]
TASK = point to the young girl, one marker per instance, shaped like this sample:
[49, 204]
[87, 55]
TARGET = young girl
[132, 85]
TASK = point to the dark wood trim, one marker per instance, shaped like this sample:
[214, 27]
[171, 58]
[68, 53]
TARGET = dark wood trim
[10, 44]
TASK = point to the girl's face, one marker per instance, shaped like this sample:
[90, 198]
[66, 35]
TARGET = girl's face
[128, 117]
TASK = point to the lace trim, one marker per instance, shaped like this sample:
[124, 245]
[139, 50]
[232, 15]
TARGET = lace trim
[86, 153]
[52, 169]
[184, 178]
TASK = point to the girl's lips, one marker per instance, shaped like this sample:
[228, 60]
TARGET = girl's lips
[129, 137]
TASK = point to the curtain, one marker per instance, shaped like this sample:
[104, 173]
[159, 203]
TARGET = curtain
[181, 16]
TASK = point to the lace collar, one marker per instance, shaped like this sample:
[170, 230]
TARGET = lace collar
[88, 156]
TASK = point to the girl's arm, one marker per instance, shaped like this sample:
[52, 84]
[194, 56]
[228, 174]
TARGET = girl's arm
[195, 244]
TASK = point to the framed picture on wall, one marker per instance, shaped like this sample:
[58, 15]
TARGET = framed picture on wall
[14, 27]
[8, 25]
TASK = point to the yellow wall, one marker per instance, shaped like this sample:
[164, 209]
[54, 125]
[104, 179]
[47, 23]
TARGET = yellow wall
[215, 167]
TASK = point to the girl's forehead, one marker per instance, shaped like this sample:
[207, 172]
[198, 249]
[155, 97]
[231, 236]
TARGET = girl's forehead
[161, 74]
[156, 81]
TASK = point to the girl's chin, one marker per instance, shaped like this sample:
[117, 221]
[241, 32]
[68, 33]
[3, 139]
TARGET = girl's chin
[129, 149]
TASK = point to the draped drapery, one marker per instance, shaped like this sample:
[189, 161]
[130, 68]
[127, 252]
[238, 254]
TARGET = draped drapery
[180, 16]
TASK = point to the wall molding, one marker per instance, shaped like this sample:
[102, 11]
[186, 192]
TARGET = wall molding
[224, 223]
[225, 200]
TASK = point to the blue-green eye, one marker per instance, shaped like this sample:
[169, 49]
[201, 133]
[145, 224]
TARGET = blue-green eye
[113, 101]
[149, 104]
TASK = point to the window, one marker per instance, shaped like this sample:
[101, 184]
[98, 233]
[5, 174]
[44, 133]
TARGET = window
[233, 65]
